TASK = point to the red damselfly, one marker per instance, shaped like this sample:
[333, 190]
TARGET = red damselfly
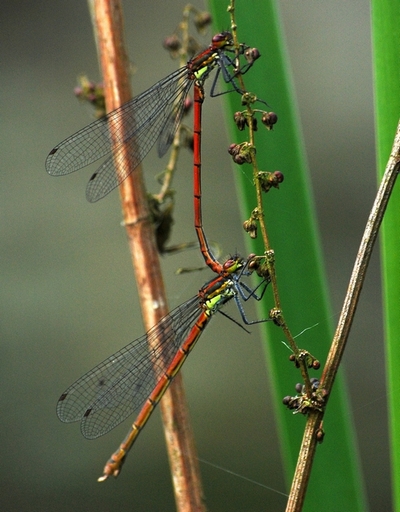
[134, 379]
[198, 97]
[138, 124]
[208, 256]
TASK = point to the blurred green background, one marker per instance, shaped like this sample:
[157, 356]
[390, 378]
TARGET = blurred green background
[68, 297]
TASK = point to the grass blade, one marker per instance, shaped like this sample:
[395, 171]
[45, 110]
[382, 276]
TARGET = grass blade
[386, 62]
[293, 231]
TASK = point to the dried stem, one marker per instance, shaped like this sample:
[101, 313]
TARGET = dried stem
[114, 62]
[314, 422]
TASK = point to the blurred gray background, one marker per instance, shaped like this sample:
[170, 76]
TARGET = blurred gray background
[68, 297]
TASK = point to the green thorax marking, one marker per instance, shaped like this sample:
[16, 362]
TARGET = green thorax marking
[219, 297]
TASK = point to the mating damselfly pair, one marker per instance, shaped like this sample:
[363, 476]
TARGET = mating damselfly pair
[134, 379]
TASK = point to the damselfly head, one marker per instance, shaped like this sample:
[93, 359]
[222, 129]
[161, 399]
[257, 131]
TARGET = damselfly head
[231, 265]
[221, 40]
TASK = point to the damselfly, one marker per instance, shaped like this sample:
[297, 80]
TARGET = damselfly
[134, 379]
[138, 124]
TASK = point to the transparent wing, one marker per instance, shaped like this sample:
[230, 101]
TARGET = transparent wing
[144, 119]
[162, 125]
[121, 384]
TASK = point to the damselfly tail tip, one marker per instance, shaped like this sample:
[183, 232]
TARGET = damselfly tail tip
[109, 471]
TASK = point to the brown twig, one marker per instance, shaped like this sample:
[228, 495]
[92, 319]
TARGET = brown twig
[314, 422]
[108, 25]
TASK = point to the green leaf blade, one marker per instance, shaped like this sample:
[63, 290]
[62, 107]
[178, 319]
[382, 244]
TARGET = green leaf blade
[386, 62]
[291, 224]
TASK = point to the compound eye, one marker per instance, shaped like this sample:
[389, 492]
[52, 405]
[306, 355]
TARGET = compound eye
[228, 264]
[222, 39]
